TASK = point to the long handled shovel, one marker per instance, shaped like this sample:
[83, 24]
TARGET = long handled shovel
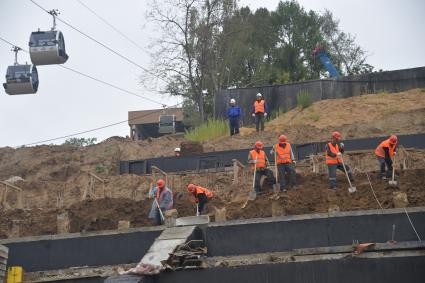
[392, 182]
[160, 211]
[277, 187]
[351, 189]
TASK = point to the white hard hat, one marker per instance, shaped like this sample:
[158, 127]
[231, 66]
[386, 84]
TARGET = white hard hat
[259, 95]
[177, 149]
[232, 101]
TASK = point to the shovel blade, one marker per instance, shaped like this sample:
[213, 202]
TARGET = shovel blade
[252, 195]
[392, 183]
[352, 190]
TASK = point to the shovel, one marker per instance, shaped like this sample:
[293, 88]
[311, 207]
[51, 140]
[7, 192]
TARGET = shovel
[351, 189]
[277, 186]
[160, 211]
[392, 182]
[197, 209]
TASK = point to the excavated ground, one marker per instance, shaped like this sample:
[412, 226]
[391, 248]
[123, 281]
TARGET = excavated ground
[312, 196]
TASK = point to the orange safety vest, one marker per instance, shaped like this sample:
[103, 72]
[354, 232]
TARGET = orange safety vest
[259, 106]
[330, 159]
[260, 157]
[283, 155]
[379, 151]
[201, 190]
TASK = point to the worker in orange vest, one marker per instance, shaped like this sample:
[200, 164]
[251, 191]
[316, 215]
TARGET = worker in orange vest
[384, 153]
[285, 161]
[259, 111]
[163, 200]
[334, 151]
[259, 162]
[201, 195]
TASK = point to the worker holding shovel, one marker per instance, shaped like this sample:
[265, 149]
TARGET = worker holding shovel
[163, 200]
[258, 160]
[384, 153]
[201, 195]
[285, 162]
[334, 161]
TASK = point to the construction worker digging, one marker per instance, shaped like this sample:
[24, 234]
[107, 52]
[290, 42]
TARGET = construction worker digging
[285, 161]
[334, 161]
[201, 195]
[259, 162]
[384, 153]
[163, 200]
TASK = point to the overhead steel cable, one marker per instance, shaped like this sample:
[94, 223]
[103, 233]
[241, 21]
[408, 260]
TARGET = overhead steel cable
[94, 78]
[101, 127]
[103, 45]
[112, 26]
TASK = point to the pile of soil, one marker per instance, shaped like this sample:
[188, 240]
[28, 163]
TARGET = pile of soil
[312, 196]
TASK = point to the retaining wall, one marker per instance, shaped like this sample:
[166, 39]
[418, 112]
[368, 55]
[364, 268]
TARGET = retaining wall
[58, 252]
[284, 97]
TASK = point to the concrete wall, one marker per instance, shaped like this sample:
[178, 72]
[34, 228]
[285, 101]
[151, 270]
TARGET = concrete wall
[285, 96]
[351, 270]
[47, 253]
[287, 233]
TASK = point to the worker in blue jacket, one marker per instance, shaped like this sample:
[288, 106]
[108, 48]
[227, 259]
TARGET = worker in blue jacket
[234, 113]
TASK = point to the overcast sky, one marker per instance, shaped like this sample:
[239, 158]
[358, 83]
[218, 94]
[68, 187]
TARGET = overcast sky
[391, 31]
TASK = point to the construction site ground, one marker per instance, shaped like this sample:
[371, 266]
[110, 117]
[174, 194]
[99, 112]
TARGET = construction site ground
[58, 179]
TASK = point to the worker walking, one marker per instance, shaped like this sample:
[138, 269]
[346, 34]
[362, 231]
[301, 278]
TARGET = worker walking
[163, 200]
[234, 113]
[384, 153]
[334, 151]
[259, 162]
[259, 112]
[201, 195]
[285, 161]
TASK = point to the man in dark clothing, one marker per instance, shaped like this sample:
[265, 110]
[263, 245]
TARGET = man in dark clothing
[384, 153]
[334, 151]
[259, 112]
[234, 113]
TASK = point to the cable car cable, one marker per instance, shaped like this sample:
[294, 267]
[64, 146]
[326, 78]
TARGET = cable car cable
[100, 128]
[104, 45]
[112, 26]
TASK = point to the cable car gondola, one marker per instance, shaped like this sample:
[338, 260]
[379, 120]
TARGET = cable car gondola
[21, 79]
[48, 47]
[167, 124]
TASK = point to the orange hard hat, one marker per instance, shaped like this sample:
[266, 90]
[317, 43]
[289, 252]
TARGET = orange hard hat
[259, 144]
[160, 183]
[393, 139]
[191, 188]
[336, 135]
[282, 138]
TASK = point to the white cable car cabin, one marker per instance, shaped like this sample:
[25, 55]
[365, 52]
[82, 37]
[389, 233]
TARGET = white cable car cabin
[48, 47]
[21, 79]
[167, 124]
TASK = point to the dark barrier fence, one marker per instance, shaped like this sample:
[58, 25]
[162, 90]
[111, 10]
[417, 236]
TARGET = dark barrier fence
[284, 97]
[221, 159]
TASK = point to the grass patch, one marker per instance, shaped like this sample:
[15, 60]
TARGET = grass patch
[314, 117]
[304, 99]
[210, 130]
[422, 89]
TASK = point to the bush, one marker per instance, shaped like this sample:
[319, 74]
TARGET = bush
[304, 99]
[209, 130]
[80, 142]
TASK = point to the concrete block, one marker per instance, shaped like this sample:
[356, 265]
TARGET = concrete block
[277, 209]
[170, 217]
[123, 224]
[220, 214]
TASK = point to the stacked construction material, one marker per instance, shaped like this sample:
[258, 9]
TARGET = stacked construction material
[3, 262]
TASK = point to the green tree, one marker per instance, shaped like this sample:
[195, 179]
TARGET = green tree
[80, 142]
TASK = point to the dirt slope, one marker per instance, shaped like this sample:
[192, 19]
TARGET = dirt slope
[356, 117]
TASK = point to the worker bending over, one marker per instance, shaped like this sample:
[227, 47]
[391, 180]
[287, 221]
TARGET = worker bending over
[384, 153]
[259, 162]
[201, 195]
[285, 161]
[259, 112]
[163, 200]
[334, 151]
